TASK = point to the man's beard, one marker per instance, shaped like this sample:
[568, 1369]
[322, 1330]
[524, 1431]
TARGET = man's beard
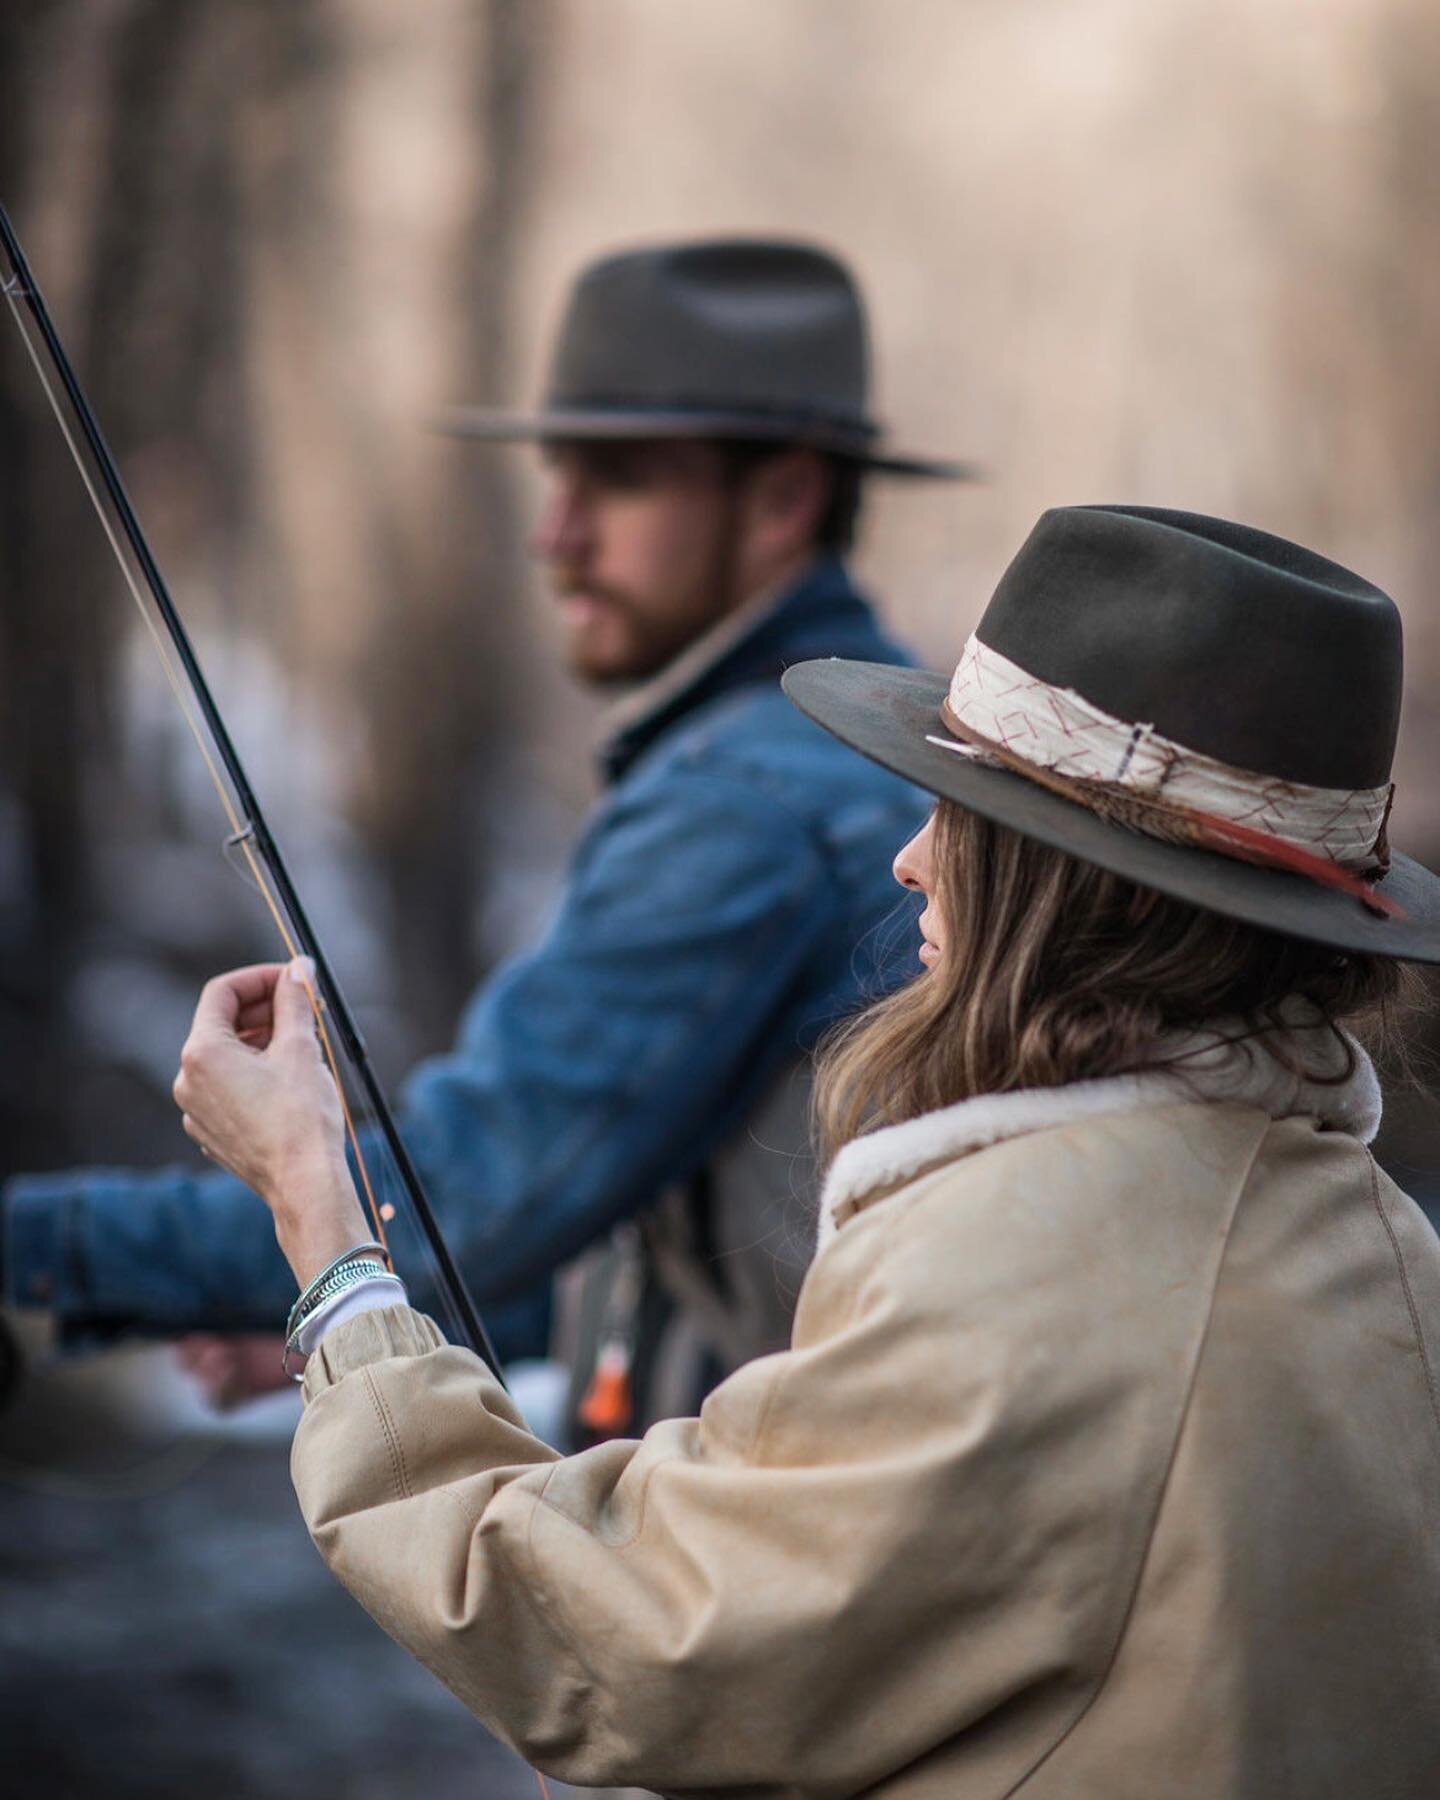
[646, 642]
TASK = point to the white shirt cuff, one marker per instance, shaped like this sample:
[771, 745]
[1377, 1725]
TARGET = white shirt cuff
[375, 1291]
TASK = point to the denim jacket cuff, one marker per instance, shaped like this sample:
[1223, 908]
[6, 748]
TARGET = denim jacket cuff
[36, 1255]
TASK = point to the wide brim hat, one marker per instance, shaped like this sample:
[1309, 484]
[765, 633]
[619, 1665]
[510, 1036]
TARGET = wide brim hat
[746, 339]
[1203, 708]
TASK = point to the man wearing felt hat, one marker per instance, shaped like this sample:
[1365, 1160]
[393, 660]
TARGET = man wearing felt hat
[707, 432]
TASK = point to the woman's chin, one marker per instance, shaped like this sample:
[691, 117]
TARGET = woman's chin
[929, 954]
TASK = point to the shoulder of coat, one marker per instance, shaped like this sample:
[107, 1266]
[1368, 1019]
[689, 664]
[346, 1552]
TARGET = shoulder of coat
[1056, 1192]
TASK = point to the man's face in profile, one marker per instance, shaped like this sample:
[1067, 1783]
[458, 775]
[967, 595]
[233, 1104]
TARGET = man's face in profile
[638, 541]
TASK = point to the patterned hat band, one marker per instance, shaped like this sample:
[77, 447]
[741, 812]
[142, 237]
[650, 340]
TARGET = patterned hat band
[1136, 777]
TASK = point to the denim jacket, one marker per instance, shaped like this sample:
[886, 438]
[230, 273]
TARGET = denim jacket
[729, 898]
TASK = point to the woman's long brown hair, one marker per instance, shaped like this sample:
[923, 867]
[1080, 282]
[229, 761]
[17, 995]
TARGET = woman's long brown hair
[1056, 971]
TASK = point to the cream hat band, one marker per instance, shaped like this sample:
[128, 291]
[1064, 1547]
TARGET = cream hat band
[1003, 714]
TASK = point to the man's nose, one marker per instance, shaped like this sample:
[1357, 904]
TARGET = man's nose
[564, 531]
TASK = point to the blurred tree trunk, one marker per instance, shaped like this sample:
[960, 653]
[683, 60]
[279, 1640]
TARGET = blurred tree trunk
[56, 648]
[120, 121]
[448, 658]
[274, 236]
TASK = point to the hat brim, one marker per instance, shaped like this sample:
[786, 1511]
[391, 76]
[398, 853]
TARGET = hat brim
[887, 714]
[604, 423]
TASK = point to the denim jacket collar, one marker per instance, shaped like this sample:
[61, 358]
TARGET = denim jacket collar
[822, 614]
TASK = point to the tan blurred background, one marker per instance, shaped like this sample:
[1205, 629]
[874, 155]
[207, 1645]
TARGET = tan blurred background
[1179, 251]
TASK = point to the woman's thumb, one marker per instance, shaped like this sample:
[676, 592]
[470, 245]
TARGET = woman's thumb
[294, 1005]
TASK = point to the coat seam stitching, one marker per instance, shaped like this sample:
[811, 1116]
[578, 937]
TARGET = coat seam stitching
[398, 1471]
[1144, 1558]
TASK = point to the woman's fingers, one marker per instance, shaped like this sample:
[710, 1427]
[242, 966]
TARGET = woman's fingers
[226, 997]
[242, 1004]
[253, 1088]
[255, 1022]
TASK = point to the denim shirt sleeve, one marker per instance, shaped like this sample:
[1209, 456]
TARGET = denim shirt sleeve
[586, 1075]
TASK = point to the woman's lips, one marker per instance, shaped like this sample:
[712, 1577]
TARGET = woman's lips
[929, 953]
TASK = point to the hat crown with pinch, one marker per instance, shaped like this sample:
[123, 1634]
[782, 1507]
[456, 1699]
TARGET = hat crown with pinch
[1234, 643]
[719, 323]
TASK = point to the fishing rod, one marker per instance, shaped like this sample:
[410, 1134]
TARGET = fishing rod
[250, 834]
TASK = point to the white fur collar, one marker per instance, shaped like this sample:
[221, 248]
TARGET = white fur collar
[1209, 1066]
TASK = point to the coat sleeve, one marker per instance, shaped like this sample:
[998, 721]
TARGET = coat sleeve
[586, 1075]
[823, 1579]
[652, 1613]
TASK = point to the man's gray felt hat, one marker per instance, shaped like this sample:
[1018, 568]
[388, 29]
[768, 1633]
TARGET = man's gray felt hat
[756, 340]
[1201, 707]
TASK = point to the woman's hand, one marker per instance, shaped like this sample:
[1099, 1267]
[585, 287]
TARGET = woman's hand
[257, 1097]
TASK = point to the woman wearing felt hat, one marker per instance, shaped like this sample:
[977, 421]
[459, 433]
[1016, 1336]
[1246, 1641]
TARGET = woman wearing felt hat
[1106, 1460]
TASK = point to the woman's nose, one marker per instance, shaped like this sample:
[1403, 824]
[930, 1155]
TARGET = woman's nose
[914, 865]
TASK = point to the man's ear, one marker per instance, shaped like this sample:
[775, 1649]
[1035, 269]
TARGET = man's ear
[786, 503]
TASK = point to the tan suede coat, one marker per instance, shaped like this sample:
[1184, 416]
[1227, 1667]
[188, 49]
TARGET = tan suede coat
[1105, 1466]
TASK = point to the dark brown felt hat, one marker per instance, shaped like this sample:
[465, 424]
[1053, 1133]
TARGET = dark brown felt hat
[1239, 646]
[739, 338]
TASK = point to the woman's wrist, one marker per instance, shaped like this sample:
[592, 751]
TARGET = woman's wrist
[317, 1214]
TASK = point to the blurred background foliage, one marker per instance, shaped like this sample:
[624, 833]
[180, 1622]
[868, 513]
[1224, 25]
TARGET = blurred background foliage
[1184, 253]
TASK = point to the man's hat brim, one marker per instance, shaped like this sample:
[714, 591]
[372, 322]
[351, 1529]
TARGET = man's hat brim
[889, 713]
[597, 424]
